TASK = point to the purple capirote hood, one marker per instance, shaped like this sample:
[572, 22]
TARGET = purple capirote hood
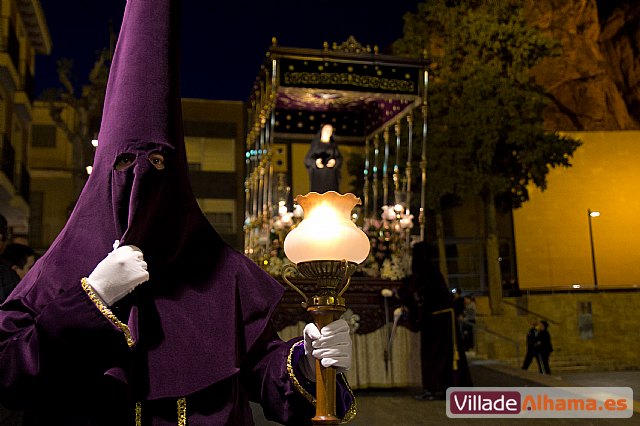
[205, 304]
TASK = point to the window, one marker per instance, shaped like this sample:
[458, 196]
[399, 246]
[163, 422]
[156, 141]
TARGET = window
[212, 154]
[585, 320]
[222, 222]
[43, 136]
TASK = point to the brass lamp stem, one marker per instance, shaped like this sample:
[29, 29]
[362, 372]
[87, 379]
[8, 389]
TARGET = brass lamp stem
[325, 307]
[325, 376]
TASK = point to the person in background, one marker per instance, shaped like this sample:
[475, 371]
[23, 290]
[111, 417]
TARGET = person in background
[532, 336]
[15, 262]
[543, 347]
[324, 162]
[469, 322]
[458, 302]
[20, 239]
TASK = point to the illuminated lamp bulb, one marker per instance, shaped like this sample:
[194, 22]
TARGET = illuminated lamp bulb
[327, 232]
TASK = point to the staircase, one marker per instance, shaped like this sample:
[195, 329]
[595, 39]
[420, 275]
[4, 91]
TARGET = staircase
[559, 363]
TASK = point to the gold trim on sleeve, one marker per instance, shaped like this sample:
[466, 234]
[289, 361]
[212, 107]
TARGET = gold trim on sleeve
[294, 379]
[182, 411]
[138, 414]
[351, 411]
[104, 309]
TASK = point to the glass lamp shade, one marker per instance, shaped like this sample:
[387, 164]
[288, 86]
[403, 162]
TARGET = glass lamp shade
[327, 232]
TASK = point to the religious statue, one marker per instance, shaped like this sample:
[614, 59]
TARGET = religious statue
[323, 162]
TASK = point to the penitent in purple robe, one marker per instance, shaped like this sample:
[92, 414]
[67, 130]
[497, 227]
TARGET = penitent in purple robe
[192, 345]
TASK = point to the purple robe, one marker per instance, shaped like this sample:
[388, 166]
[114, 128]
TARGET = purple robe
[198, 332]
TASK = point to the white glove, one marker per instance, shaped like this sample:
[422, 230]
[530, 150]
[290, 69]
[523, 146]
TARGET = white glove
[118, 274]
[331, 345]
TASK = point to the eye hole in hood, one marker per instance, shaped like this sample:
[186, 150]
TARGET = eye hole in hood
[126, 160]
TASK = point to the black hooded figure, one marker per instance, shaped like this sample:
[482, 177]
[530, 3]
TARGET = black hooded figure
[430, 306]
[323, 162]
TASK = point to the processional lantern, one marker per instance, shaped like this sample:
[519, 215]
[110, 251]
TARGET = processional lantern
[325, 247]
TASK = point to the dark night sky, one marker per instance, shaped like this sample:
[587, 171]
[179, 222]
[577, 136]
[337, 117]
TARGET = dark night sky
[224, 42]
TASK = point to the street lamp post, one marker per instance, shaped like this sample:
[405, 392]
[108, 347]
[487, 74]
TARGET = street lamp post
[593, 253]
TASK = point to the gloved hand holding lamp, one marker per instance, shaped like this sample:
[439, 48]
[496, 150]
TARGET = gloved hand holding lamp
[326, 247]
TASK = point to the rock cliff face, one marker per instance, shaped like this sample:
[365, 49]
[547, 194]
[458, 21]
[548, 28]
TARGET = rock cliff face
[593, 83]
[620, 43]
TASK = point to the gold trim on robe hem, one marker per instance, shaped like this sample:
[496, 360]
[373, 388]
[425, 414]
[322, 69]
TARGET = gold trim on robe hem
[182, 411]
[181, 404]
[138, 414]
[104, 309]
[351, 411]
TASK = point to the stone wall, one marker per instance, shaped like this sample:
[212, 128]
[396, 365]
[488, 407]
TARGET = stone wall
[615, 343]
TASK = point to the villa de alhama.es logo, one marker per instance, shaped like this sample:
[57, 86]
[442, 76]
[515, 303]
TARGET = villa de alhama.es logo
[541, 402]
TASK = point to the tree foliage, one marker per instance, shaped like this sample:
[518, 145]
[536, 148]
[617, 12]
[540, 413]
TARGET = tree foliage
[486, 133]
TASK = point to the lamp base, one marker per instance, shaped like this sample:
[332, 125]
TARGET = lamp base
[325, 306]
[328, 274]
[325, 420]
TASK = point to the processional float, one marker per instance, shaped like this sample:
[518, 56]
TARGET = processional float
[378, 104]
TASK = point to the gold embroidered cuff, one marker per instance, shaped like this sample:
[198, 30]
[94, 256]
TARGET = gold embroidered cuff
[294, 379]
[104, 309]
[351, 411]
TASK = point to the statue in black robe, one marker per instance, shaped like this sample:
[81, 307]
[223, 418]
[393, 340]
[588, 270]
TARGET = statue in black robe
[323, 162]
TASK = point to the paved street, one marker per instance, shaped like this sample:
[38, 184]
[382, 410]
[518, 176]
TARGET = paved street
[397, 406]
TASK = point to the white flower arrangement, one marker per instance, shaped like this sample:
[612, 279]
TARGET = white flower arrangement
[275, 265]
[396, 268]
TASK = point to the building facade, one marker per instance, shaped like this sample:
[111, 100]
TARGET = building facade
[23, 34]
[52, 191]
[213, 136]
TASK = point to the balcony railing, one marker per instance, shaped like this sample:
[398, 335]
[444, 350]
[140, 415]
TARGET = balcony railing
[7, 158]
[29, 84]
[9, 42]
[13, 45]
